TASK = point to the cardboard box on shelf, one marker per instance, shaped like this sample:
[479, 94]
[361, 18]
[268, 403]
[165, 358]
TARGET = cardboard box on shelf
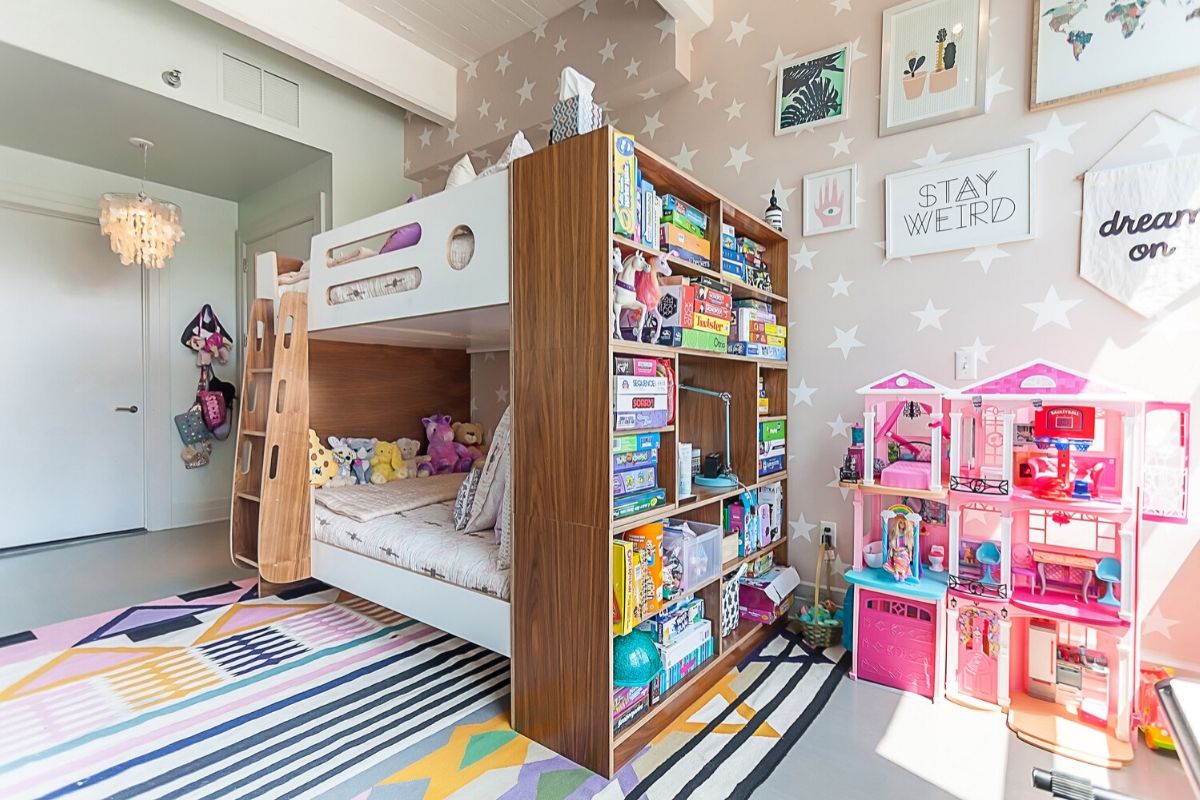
[766, 598]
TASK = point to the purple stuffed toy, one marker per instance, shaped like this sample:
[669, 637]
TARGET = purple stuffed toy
[445, 454]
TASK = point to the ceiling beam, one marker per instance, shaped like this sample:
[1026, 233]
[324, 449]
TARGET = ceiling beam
[691, 16]
[340, 41]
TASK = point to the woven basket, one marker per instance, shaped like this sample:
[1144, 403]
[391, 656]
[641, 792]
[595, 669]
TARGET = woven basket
[822, 634]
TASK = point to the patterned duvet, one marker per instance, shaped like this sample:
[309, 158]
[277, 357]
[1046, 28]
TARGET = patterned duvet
[422, 540]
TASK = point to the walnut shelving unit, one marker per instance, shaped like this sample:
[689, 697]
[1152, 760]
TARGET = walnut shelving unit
[562, 355]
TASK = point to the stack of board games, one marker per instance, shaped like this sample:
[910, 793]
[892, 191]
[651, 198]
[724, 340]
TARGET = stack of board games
[643, 393]
[683, 232]
[683, 636]
[755, 331]
[629, 702]
[697, 313]
[634, 456]
[772, 441]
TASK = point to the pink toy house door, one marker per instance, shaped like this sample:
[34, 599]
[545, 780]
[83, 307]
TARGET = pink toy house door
[978, 649]
[897, 642]
[1165, 462]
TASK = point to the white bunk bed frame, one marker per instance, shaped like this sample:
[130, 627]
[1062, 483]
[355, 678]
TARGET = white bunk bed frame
[465, 308]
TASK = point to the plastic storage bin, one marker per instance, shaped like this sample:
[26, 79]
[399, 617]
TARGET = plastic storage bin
[691, 554]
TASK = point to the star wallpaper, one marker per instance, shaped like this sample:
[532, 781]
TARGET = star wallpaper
[706, 102]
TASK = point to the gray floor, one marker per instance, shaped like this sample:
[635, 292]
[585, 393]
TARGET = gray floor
[59, 582]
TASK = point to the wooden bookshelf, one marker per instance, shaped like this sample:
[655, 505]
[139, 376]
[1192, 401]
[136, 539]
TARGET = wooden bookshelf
[562, 351]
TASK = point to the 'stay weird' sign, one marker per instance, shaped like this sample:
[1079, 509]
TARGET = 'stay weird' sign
[971, 202]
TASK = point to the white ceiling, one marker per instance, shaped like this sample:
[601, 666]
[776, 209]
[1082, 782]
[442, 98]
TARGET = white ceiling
[458, 31]
[68, 113]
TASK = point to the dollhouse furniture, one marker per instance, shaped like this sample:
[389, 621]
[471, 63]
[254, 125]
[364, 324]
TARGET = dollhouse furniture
[358, 347]
[1067, 573]
[1109, 571]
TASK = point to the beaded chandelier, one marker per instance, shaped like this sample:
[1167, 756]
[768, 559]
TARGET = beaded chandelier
[141, 229]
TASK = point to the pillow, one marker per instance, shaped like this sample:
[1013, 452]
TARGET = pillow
[462, 172]
[519, 146]
[466, 498]
[352, 255]
[404, 236]
[504, 526]
[489, 495]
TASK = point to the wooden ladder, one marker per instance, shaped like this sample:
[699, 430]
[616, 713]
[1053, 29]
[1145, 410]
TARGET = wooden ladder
[269, 521]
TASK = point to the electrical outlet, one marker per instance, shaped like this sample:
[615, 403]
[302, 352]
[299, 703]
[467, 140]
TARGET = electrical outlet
[829, 529]
[966, 364]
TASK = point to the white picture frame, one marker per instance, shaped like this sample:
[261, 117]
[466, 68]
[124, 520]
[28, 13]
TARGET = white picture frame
[829, 200]
[980, 200]
[932, 93]
[791, 84]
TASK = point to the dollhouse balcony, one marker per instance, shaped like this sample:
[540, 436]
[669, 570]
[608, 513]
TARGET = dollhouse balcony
[1067, 608]
[980, 485]
[929, 587]
[975, 587]
[1102, 506]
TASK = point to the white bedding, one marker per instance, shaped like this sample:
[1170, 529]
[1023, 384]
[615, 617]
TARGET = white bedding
[422, 540]
[365, 503]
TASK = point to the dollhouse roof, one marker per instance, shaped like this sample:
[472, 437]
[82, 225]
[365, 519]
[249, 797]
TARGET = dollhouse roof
[904, 382]
[1045, 379]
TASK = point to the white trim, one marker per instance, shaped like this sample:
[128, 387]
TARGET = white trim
[868, 476]
[1172, 661]
[471, 615]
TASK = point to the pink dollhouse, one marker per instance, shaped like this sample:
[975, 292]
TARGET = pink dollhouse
[1033, 546]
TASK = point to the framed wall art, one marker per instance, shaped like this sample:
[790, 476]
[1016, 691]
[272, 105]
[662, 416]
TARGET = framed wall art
[813, 90]
[1084, 50]
[934, 65]
[829, 203]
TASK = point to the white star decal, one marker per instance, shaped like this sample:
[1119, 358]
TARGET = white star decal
[484, 108]
[842, 145]
[649, 94]
[503, 62]
[652, 124]
[781, 195]
[772, 66]
[1055, 138]
[631, 70]
[471, 69]
[883, 246]
[839, 6]
[683, 159]
[855, 53]
[738, 156]
[734, 110]
[994, 88]
[738, 30]
[452, 134]
[1171, 134]
[802, 393]
[1052, 310]
[929, 317]
[802, 258]
[589, 8]
[474, 406]
[840, 286]
[608, 52]
[501, 124]
[930, 158]
[665, 28]
[845, 341]
[801, 529]
[981, 350]
[424, 137]
[407, 165]
[560, 46]
[539, 31]
[985, 256]
[704, 90]
[833, 484]
[839, 427]
[1155, 623]
[502, 394]
[526, 92]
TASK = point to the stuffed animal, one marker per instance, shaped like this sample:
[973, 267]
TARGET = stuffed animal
[343, 456]
[322, 468]
[445, 454]
[470, 435]
[386, 464]
[409, 458]
[364, 451]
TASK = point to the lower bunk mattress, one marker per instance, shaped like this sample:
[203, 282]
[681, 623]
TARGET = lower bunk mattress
[421, 540]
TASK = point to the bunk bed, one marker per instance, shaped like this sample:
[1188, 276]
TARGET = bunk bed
[360, 343]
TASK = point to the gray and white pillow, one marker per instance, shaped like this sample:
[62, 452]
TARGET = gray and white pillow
[489, 494]
[466, 498]
[504, 527]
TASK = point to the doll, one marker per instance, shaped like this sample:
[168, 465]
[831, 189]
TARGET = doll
[900, 550]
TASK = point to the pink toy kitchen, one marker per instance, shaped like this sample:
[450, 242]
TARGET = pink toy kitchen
[1014, 585]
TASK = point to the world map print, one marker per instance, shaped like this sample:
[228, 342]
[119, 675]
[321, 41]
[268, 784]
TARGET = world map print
[1128, 14]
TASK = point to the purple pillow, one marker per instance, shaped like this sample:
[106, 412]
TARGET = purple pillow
[402, 237]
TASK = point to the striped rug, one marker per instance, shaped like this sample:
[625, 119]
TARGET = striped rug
[220, 694]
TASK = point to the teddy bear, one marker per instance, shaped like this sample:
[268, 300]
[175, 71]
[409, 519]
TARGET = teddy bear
[470, 435]
[409, 459]
[322, 467]
[445, 454]
[343, 456]
[386, 464]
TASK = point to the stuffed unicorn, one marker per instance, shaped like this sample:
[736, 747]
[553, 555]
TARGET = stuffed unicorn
[445, 454]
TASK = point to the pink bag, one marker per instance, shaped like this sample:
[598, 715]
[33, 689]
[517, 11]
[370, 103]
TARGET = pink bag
[212, 403]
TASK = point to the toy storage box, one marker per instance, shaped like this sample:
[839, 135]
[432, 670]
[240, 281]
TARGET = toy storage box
[698, 550]
[767, 597]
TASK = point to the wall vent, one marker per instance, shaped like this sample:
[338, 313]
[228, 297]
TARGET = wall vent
[255, 89]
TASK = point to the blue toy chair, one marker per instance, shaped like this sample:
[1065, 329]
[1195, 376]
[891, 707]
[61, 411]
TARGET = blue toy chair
[1109, 571]
[988, 554]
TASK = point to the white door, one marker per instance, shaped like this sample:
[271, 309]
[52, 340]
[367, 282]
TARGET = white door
[72, 322]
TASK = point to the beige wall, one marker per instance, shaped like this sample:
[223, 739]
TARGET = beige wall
[988, 306]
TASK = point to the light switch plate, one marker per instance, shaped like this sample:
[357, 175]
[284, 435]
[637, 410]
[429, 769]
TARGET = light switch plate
[966, 364]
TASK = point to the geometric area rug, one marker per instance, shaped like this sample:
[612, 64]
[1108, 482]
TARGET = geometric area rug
[319, 694]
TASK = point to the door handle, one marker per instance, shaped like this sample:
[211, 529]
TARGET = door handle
[130, 409]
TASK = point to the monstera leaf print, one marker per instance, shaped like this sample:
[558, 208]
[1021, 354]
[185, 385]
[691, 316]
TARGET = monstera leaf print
[798, 76]
[815, 101]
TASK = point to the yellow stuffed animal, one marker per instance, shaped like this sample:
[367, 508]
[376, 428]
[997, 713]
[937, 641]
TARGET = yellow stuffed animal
[321, 466]
[386, 463]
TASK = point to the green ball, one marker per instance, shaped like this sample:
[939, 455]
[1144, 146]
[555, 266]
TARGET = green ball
[635, 659]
